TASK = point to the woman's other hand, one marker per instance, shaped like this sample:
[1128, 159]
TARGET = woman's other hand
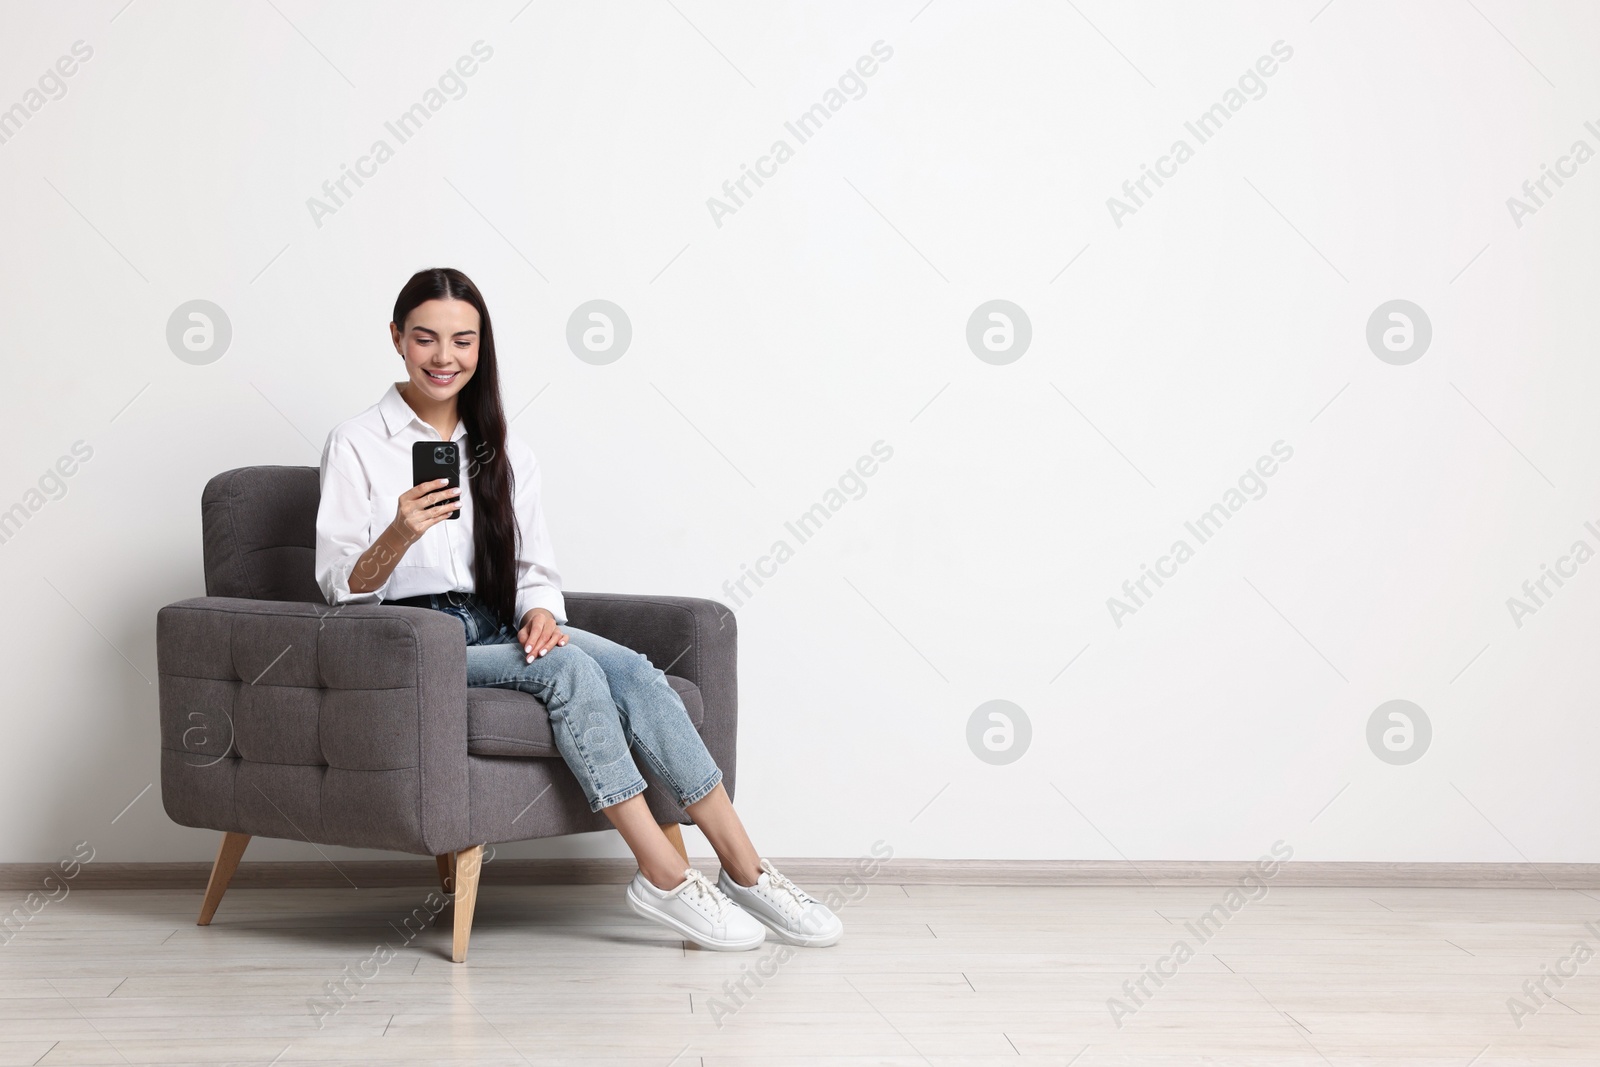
[539, 633]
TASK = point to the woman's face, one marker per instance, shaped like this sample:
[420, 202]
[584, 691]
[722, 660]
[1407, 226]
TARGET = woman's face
[440, 346]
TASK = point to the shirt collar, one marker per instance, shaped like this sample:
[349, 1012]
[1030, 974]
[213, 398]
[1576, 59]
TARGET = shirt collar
[397, 415]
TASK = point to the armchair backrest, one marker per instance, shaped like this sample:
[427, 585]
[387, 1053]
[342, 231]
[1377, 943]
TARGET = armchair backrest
[260, 526]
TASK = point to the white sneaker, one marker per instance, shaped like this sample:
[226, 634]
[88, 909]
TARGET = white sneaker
[783, 907]
[698, 910]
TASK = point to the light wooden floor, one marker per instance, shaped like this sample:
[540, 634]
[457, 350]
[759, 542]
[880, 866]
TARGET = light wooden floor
[925, 975]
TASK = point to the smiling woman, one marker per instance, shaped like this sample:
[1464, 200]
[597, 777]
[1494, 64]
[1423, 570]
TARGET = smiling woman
[443, 334]
[495, 571]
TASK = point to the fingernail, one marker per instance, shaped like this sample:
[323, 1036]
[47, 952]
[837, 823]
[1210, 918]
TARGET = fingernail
[542, 651]
[527, 648]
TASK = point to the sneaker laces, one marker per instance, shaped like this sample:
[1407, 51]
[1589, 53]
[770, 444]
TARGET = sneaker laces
[794, 900]
[704, 890]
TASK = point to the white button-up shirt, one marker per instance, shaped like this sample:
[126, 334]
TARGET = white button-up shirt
[366, 465]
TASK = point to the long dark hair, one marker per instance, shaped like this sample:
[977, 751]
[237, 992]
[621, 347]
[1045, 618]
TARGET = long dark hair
[494, 523]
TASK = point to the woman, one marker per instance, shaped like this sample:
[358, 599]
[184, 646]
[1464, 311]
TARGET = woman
[380, 539]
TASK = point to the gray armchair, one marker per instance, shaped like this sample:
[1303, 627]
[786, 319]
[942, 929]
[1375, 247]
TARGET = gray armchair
[284, 717]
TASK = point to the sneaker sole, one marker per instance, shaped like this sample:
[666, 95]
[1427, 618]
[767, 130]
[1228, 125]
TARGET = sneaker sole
[646, 910]
[803, 940]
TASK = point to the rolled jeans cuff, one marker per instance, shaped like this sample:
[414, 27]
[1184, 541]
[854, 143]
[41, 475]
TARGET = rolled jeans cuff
[700, 794]
[600, 803]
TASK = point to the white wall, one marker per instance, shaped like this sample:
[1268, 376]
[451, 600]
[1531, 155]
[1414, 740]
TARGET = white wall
[829, 312]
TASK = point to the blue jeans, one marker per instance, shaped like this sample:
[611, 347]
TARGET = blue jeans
[604, 700]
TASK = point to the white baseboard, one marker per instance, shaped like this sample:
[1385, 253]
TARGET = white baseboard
[374, 874]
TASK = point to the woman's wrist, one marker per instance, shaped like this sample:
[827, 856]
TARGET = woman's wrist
[400, 533]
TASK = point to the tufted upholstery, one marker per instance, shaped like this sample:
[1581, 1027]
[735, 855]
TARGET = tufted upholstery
[347, 730]
[281, 717]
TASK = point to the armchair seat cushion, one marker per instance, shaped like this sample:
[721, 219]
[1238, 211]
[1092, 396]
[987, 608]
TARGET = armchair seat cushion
[508, 722]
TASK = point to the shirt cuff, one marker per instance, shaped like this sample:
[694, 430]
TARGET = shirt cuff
[339, 580]
[542, 596]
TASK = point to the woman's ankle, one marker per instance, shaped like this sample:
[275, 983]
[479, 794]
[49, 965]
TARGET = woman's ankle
[744, 874]
[663, 878]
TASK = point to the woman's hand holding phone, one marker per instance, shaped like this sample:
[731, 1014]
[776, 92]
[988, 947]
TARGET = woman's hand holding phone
[539, 634]
[416, 512]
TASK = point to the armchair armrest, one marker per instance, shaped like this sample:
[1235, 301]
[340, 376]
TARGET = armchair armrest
[691, 637]
[342, 726]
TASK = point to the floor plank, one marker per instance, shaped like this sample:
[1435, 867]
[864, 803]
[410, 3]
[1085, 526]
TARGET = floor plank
[927, 974]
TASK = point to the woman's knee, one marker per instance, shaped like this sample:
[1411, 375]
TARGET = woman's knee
[572, 671]
[635, 671]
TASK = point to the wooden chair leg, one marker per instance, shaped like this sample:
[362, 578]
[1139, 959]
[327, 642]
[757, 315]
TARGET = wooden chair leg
[674, 834]
[468, 863]
[447, 885]
[228, 854]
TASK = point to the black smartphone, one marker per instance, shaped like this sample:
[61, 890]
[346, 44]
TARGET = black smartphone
[432, 460]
